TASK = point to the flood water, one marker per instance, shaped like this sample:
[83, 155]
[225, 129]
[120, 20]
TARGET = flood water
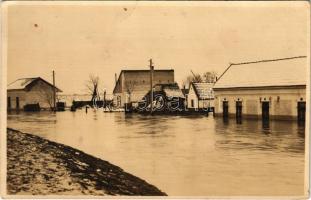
[184, 155]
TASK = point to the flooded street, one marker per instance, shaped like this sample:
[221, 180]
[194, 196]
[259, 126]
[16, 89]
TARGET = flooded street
[184, 155]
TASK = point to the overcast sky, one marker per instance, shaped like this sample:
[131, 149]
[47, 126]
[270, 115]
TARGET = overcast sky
[103, 38]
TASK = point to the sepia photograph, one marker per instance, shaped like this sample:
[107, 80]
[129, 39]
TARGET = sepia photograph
[160, 99]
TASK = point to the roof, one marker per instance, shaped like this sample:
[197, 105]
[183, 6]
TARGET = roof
[172, 90]
[20, 83]
[185, 91]
[203, 90]
[278, 72]
[24, 83]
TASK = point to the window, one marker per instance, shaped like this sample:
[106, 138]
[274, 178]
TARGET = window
[192, 103]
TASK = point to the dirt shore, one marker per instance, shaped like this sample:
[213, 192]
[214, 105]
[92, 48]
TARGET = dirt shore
[37, 166]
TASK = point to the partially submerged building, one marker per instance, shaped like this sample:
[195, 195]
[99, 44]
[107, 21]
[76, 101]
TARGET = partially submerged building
[166, 98]
[200, 96]
[30, 93]
[133, 85]
[263, 89]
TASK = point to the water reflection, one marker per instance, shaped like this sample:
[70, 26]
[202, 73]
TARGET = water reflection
[266, 126]
[215, 156]
[280, 136]
[239, 120]
[225, 120]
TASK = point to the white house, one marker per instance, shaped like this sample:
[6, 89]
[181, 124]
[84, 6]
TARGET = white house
[200, 96]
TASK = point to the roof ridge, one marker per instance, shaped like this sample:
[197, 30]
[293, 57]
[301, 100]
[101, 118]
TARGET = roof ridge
[28, 78]
[270, 60]
[146, 70]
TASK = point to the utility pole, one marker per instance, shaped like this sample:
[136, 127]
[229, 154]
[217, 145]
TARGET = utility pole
[151, 85]
[54, 92]
[105, 98]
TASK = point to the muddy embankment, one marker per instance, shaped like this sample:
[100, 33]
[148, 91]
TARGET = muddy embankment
[36, 166]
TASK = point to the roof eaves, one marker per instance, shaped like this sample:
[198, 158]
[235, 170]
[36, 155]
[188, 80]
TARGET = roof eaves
[195, 90]
[260, 87]
[224, 72]
[115, 86]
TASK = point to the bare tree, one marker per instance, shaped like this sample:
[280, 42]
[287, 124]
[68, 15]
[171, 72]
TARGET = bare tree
[47, 96]
[209, 77]
[191, 78]
[187, 81]
[129, 86]
[92, 87]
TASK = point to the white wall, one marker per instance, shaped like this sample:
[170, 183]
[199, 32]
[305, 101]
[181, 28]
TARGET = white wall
[17, 93]
[192, 96]
[251, 105]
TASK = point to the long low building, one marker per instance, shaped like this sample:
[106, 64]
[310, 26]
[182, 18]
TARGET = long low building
[267, 89]
[29, 92]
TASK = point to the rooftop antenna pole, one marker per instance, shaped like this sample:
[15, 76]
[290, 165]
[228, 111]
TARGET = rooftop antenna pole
[195, 77]
[151, 85]
[54, 93]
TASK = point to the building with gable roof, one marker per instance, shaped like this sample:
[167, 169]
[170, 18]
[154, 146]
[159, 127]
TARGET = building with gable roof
[133, 85]
[263, 89]
[200, 96]
[30, 91]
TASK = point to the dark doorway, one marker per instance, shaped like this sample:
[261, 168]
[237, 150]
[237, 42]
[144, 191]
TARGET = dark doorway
[238, 112]
[238, 106]
[301, 109]
[17, 103]
[9, 103]
[225, 108]
[265, 110]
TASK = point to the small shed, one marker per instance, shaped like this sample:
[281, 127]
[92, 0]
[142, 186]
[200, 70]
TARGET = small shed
[25, 93]
[200, 96]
